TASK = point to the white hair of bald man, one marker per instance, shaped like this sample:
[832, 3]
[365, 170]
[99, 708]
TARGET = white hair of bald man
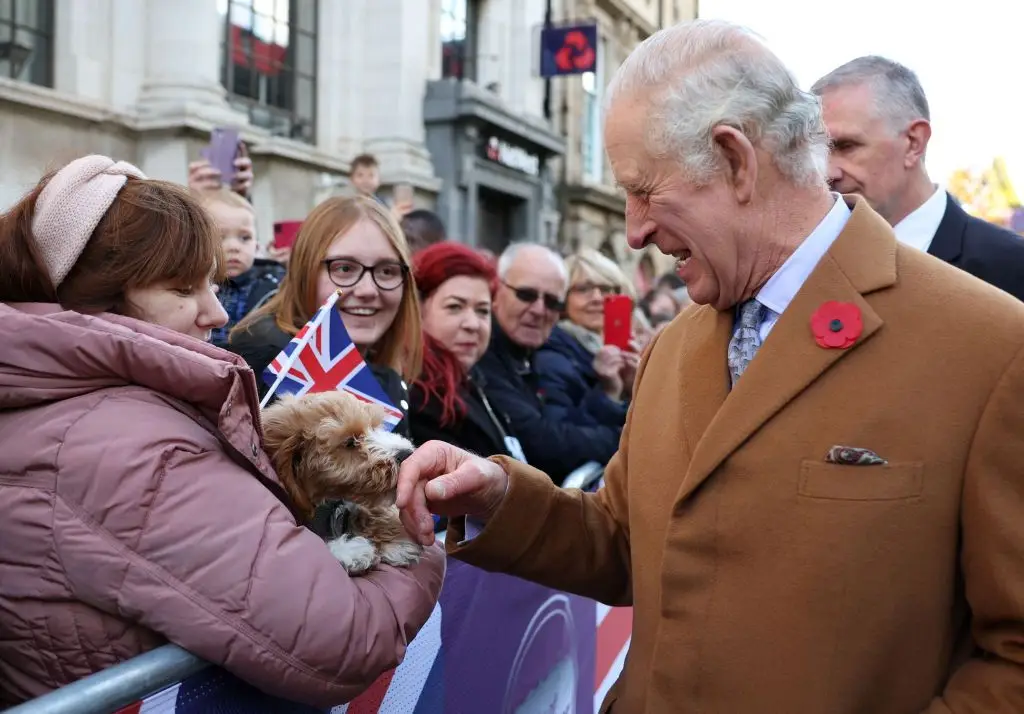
[508, 257]
[708, 73]
[898, 95]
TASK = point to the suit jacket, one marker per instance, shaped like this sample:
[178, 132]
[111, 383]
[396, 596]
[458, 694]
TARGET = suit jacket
[764, 579]
[984, 250]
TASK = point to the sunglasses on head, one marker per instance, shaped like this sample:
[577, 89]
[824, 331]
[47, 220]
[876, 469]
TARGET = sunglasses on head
[531, 295]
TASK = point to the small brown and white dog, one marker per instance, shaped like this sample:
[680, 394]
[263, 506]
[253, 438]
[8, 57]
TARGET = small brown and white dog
[329, 446]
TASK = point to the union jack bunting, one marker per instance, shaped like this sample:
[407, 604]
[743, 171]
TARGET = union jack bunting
[614, 633]
[322, 358]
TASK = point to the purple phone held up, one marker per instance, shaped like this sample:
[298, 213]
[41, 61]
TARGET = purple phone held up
[222, 152]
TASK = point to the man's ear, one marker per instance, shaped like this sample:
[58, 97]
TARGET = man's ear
[919, 133]
[740, 160]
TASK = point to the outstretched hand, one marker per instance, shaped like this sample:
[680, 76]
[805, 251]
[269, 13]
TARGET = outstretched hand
[443, 479]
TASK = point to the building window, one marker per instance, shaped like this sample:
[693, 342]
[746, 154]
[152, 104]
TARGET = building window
[458, 39]
[26, 41]
[268, 61]
[592, 143]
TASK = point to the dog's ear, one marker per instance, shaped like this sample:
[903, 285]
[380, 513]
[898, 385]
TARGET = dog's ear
[280, 420]
[283, 439]
[287, 463]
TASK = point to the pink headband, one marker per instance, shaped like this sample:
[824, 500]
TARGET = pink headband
[70, 207]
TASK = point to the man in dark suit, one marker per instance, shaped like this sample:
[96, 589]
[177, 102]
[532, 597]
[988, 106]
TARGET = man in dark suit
[878, 119]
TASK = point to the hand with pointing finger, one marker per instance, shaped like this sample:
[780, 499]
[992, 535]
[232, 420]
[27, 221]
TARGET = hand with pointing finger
[443, 479]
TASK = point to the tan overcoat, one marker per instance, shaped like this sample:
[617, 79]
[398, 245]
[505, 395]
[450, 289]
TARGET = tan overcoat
[765, 580]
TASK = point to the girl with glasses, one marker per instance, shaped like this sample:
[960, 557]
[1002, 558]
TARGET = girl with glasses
[356, 246]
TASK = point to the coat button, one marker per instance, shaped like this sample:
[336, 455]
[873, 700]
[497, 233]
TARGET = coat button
[404, 404]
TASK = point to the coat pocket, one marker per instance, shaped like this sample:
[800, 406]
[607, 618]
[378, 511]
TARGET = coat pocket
[841, 482]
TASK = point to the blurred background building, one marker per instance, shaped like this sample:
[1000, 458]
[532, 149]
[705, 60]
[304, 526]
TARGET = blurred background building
[446, 93]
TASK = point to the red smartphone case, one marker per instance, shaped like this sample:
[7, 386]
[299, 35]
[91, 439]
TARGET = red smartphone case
[285, 233]
[618, 321]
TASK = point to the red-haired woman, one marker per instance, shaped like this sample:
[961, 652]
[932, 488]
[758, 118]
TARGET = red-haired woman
[447, 402]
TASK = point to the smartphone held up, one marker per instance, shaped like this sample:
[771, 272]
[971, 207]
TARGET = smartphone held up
[222, 151]
[618, 321]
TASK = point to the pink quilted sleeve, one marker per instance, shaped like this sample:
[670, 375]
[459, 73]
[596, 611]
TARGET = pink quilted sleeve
[192, 546]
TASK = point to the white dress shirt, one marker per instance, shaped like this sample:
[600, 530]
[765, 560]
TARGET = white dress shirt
[918, 229]
[781, 288]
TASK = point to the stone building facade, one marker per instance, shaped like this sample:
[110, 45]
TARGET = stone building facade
[309, 83]
[591, 206]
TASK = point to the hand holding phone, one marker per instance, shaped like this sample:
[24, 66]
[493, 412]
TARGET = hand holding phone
[618, 321]
[222, 151]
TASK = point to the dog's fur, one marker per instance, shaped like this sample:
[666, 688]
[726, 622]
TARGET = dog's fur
[329, 446]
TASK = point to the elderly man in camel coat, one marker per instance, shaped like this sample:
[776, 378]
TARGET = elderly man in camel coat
[817, 506]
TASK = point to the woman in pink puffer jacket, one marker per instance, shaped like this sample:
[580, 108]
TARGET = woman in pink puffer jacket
[136, 503]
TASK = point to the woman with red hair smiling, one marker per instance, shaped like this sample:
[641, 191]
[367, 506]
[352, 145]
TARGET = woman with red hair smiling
[447, 402]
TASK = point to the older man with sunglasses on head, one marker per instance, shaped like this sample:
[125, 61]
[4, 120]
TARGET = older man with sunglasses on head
[528, 301]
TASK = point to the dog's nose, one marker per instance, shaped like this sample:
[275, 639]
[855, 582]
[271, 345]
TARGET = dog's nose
[403, 455]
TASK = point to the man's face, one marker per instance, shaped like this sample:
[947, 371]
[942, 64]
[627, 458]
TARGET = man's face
[366, 179]
[696, 225]
[869, 156]
[533, 274]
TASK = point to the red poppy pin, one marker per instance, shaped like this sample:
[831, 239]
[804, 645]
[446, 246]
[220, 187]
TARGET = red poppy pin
[836, 324]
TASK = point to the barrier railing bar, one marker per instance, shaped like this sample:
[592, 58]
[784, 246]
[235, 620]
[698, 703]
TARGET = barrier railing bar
[117, 686]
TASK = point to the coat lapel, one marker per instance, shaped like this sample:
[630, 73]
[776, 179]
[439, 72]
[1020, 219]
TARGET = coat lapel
[862, 259]
[703, 369]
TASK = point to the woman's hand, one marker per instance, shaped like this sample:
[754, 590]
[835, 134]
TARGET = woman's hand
[630, 362]
[242, 181]
[608, 364]
[281, 255]
[202, 177]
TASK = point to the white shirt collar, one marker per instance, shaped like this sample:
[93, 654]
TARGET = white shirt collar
[918, 229]
[782, 287]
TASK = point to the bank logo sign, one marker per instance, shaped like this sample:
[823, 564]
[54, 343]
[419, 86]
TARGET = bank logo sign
[568, 49]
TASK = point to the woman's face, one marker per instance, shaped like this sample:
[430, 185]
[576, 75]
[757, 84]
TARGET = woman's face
[458, 315]
[193, 311]
[366, 308]
[585, 303]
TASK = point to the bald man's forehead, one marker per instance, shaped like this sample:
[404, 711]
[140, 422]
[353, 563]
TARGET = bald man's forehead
[537, 262]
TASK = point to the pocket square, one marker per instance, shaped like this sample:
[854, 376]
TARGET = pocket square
[853, 456]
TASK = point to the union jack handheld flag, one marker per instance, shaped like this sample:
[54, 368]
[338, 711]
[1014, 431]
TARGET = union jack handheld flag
[322, 358]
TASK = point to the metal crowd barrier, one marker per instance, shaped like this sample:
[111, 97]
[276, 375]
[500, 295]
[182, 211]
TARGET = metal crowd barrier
[117, 686]
[585, 477]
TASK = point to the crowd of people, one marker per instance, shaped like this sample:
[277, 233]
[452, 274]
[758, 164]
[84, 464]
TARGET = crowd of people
[138, 317]
[811, 499]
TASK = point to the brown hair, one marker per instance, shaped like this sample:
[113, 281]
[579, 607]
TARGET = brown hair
[367, 160]
[154, 232]
[401, 347]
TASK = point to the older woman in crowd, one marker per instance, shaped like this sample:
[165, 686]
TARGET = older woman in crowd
[584, 381]
[137, 505]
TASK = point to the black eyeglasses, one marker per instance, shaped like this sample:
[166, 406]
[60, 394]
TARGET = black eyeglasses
[531, 295]
[587, 288]
[347, 273]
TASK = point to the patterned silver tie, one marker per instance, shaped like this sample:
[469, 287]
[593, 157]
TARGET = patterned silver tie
[746, 338]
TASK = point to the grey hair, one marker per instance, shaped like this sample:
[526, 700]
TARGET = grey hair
[708, 73]
[508, 257]
[898, 94]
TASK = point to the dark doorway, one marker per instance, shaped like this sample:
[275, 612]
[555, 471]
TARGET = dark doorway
[499, 220]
